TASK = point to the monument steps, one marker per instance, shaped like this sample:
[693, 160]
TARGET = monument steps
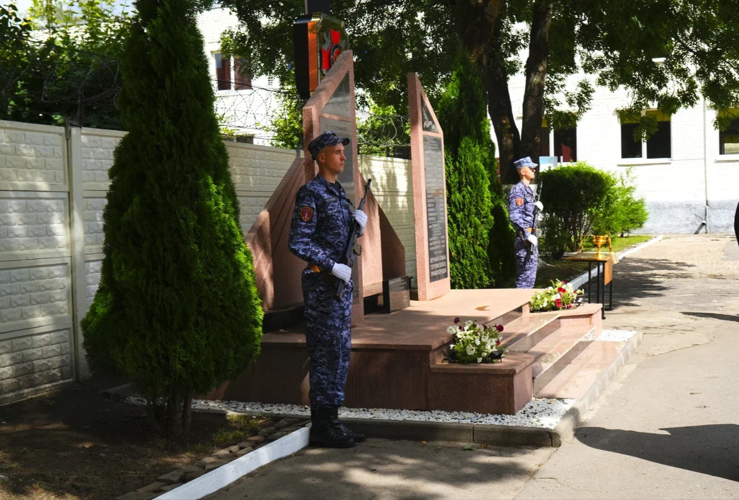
[525, 332]
[583, 371]
[557, 351]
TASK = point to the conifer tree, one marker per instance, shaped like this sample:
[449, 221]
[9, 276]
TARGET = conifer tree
[177, 310]
[480, 236]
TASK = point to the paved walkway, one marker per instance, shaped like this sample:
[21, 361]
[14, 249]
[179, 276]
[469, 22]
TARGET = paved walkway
[667, 428]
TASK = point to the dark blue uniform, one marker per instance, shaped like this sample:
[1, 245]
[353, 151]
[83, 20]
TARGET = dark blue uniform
[521, 211]
[319, 234]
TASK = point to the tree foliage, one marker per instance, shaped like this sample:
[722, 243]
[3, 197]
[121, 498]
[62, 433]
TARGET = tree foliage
[623, 212]
[62, 61]
[667, 53]
[177, 310]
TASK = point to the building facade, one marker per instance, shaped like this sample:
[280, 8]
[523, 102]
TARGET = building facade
[688, 171]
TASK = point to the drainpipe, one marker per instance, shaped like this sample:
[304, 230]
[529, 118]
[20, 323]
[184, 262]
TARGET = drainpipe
[705, 165]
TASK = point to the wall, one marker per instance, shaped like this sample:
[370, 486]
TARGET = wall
[36, 343]
[695, 184]
[53, 186]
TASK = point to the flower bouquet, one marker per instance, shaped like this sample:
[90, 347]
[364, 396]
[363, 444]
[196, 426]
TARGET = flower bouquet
[557, 297]
[475, 343]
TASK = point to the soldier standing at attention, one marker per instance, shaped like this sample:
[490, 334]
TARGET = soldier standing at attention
[521, 208]
[322, 222]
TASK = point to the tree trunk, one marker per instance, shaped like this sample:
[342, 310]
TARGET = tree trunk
[186, 415]
[174, 414]
[536, 75]
[500, 108]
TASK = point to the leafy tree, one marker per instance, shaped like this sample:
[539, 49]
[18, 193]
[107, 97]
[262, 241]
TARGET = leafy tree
[177, 310]
[668, 53]
[67, 68]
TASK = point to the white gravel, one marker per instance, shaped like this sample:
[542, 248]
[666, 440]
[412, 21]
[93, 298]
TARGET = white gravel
[538, 413]
[616, 335]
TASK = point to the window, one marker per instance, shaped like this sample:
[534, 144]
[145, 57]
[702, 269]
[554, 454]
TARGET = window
[239, 80]
[659, 144]
[729, 138]
[565, 144]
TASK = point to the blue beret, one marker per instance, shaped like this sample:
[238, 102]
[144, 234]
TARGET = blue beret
[524, 162]
[324, 140]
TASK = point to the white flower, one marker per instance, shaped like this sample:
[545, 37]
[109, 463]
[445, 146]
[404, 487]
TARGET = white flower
[451, 330]
[557, 296]
[477, 341]
[479, 360]
[470, 350]
[451, 346]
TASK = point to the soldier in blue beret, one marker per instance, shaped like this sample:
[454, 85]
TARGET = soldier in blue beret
[521, 209]
[319, 234]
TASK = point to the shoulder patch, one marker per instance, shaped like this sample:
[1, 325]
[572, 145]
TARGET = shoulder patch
[306, 214]
[519, 201]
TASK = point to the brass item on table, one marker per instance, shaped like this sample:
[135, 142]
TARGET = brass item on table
[599, 241]
[614, 257]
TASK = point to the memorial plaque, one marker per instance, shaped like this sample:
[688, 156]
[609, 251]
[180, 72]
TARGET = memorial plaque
[427, 121]
[433, 158]
[340, 103]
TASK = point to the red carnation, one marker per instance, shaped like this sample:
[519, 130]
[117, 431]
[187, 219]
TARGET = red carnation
[456, 320]
[569, 306]
[558, 303]
[499, 328]
[497, 342]
[564, 282]
[562, 290]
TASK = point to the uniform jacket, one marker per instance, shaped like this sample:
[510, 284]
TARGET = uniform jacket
[321, 223]
[521, 207]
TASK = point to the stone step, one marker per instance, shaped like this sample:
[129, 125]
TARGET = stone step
[557, 351]
[576, 378]
[525, 332]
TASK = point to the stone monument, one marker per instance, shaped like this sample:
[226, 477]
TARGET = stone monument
[429, 195]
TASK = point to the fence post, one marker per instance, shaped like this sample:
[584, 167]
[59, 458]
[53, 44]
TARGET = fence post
[77, 246]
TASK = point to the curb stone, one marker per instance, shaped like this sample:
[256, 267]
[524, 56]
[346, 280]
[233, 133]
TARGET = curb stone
[171, 481]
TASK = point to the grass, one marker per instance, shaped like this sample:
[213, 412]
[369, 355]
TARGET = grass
[619, 243]
[566, 270]
[240, 427]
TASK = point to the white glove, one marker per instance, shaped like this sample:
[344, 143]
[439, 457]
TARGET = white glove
[361, 219]
[342, 271]
[539, 205]
[533, 240]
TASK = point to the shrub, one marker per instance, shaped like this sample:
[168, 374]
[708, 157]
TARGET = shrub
[177, 310]
[574, 196]
[622, 212]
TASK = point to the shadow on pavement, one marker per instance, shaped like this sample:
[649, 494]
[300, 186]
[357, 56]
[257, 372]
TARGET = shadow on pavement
[635, 279]
[390, 469]
[723, 317]
[708, 449]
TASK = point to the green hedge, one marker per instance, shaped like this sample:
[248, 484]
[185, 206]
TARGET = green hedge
[580, 200]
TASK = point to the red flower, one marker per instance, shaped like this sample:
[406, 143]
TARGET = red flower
[497, 342]
[499, 328]
[456, 320]
[562, 290]
[569, 306]
[564, 282]
[558, 303]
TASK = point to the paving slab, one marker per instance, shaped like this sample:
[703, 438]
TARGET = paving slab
[381, 469]
[668, 427]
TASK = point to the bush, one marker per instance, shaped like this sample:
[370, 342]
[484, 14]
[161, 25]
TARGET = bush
[177, 310]
[622, 212]
[580, 200]
[574, 196]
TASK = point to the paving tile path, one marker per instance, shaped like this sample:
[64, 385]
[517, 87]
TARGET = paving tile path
[668, 427]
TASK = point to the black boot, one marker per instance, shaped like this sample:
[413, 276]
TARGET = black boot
[324, 433]
[358, 437]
